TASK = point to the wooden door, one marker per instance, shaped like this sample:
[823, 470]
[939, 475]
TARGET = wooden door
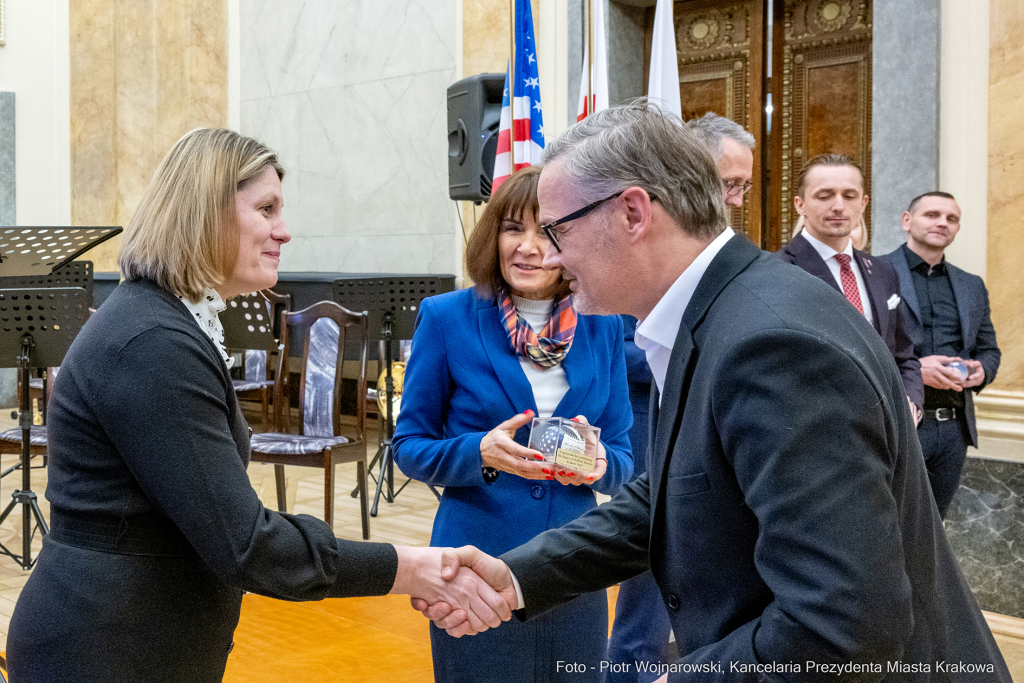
[721, 48]
[818, 73]
[822, 94]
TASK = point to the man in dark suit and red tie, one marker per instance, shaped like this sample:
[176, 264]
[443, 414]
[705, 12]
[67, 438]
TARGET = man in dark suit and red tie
[949, 323]
[830, 198]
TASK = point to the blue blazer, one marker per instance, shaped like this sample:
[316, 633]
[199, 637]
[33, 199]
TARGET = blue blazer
[975, 323]
[462, 380]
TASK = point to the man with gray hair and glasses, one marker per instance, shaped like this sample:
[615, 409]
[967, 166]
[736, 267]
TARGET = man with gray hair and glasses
[641, 629]
[785, 511]
[732, 149]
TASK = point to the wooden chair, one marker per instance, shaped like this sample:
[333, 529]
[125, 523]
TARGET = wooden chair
[322, 440]
[249, 328]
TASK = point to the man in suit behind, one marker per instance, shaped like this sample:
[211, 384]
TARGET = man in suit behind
[785, 512]
[949, 322]
[830, 198]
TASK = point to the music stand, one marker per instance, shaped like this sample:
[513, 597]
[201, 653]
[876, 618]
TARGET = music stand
[74, 274]
[392, 303]
[37, 326]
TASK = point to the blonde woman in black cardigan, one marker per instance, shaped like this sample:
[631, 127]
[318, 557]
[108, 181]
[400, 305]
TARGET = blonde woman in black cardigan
[156, 531]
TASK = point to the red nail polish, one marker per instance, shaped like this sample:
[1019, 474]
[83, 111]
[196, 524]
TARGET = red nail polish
[527, 412]
[572, 474]
[546, 471]
[575, 419]
[550, 478]
[561, 472]
[539, 457]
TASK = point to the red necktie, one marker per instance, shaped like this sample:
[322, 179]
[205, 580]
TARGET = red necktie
[849, 282]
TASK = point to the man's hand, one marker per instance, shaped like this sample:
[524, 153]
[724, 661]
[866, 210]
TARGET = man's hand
[432, 578]
[977, 373]
[916, 412]
[499, 450]
[455, 564]
[935, 373]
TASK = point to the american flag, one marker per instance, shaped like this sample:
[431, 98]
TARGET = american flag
[528, 118]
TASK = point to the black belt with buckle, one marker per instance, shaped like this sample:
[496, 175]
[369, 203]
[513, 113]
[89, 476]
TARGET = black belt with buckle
[941, 414]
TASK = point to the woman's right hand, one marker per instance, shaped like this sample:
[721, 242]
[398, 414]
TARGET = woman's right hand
[499, 450]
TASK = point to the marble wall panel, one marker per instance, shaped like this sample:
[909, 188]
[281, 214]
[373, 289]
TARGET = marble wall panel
[8, 214]
[354, 103]
[143, 73]
[985, 527]
[1005, 187]
[904, 129]
[626, 40]
[93, 103]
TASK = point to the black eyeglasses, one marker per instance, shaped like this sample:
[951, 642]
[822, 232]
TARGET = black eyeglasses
[732, 189]
[549, 228]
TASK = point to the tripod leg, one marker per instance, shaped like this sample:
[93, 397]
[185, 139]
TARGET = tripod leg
[38, 514]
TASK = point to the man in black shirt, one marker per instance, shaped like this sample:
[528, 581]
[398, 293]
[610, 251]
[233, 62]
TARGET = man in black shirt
[953, 337]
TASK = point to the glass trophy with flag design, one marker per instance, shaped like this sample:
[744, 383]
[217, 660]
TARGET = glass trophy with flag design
[568, 444]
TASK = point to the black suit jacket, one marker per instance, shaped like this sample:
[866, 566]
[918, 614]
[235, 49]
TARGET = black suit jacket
[975, 323]
[786, 514]
[882, 283]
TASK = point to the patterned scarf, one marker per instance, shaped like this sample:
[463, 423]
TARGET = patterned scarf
[549, 348]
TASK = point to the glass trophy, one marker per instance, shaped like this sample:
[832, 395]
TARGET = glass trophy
[568, 444]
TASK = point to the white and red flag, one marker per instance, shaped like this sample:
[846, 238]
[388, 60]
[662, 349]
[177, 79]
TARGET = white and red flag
[663, 85]
[525, 112]
[599, 89]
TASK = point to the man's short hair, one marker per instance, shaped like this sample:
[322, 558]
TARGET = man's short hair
[916, 200]
[826, 160]
[638, 144]
[711, 128]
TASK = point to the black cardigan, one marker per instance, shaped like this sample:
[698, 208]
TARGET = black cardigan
[145, 432]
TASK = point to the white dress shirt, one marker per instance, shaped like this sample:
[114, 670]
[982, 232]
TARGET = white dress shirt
[656, 334]
[828, 255]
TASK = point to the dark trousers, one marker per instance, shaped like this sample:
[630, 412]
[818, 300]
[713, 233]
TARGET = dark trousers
[944, 445]
[640, 632]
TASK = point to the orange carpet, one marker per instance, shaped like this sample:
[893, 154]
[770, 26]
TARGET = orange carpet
[350, 639]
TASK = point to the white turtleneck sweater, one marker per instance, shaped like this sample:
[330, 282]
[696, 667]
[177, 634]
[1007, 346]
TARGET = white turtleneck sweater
[550, 385]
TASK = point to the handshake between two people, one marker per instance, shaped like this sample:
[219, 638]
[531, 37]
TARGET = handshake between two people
[462, 590]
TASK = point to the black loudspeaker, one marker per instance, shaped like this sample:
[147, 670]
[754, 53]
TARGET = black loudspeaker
[474, 113]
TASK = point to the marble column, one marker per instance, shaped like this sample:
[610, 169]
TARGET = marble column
[905, 112]
[626, 39]
[8, 215]
[1005, 189]
[577, 27]
[143, 74]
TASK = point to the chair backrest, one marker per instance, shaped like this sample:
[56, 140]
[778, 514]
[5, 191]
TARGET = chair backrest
[326, 329]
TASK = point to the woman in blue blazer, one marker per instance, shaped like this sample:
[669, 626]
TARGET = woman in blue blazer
[468, 401]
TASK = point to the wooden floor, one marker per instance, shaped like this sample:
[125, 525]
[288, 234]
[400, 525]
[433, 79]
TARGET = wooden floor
[375, 631]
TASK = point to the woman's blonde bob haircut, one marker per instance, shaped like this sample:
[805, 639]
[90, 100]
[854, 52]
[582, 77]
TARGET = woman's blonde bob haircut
[184, 235]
